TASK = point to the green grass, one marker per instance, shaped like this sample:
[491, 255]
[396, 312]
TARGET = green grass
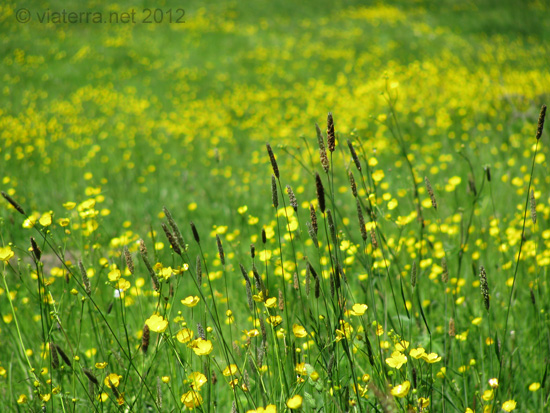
[123, 120]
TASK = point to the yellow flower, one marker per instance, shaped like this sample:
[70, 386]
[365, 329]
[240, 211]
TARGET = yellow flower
[493, 383]
[112, 379]
[252, 333]
[295, 402]
[509, 405]
[417, 352]
[191, 399]
[46, 219]
[274, 320]
[184, 335]
[396, 360]
[201, 347]
[401, 390]
[101, 365]
[431, 358]
[271, 302]
[6, 253]
[197, 380]
[69, 205]
[22, 399]
[230, 370]
[402, 345]
[424, 402]
[190, 301]
[487, 395]
[157, 323]
[358, 309]
[114, 275]
[299, 331]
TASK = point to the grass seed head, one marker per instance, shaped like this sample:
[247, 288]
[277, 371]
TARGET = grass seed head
[313, 217]
[128, 259]
[430, 192]
[274, 194]
[292, 198]
[540, 125]
[484, 287]
[171, 239]
[361, 220]
[63, 355]
[445, 272]
[331, 137]
[352, 184]
[452, 329]
[195, 233]
[36, 249]
[85, 279]
[320, 192]
[264, 236]
[281, 301]
[220, 249]
[145, 337]
[91, 377]
[273, 160]
[13, 203]
[373, 240]
[175, 228]
[55, 358]
[354, 156]
[322, 150]
[312, 234]
[198, 270]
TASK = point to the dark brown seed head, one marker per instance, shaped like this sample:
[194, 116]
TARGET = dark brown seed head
[274, 194]
[292, 198]
[488, 173]
[13, 203]
[171, 239]
[352, 184]
[313, 217]
[533, 300]
[220, 249]
[540, 125]
[331, 138]
[354, 156]
[63, 355]
[252, 251]
[145, 258]
[145, 337]
[296, 282]
[273, 160]
[484, 287]
[195, 233]
[91, 376]
[264, 236]
[322, 150]
[35, 249]
[128, 259]
[320, 192]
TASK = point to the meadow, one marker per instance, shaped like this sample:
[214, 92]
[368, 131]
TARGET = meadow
[314, 206]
